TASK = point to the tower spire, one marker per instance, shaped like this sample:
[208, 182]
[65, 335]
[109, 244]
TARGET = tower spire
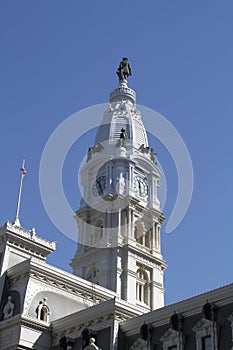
[23, 173]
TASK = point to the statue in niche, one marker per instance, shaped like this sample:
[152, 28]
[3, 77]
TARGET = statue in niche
[8, 309]
[92, 345]
[124, 69]
[120, 187]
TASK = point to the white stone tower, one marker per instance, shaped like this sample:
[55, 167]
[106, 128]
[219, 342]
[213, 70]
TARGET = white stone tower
[119, 218]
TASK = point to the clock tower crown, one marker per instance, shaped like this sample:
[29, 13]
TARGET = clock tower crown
[119, 218]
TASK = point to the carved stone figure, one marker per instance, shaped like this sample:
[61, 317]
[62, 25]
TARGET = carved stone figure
[124, 69]
[98, 148]
[8, 309]
[92, 345]
[143, 149]
[120, 187]
[89, 153]
[152, 156]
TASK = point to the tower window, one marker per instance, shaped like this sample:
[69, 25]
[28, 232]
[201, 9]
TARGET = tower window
[142, 286]
[142, 237]
[138, 232]
[99, 229]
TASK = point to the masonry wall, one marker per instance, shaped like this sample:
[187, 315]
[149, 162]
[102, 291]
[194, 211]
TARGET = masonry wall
[224, 331]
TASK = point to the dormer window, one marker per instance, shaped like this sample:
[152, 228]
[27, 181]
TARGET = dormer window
[43, 311]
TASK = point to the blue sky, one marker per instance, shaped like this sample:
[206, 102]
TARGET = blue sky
[59, 57]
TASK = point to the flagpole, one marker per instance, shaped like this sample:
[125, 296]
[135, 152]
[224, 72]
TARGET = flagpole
[23, 173]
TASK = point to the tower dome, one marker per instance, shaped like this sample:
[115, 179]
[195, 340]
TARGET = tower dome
[122, 114]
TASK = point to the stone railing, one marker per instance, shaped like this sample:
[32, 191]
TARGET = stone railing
[29, 235]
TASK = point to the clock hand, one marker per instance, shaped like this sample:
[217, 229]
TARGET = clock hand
[139, 187]
[100, 187]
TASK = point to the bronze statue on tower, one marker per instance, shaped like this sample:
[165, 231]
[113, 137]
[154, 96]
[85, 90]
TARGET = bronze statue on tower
[124, 69]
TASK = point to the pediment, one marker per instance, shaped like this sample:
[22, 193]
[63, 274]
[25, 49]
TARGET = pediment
[202, 324]
[169, 334]
[140, 344]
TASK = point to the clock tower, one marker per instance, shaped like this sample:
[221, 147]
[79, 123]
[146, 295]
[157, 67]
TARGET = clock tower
[119, 217]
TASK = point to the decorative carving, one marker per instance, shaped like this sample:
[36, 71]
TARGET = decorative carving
[176, 322]
[140, 344]
[52, 281]
[92, 345]
[206, 327]
[143, 149]
[172, 338]
[95, 149]
[145, 261]
[30, 235]
[146, 331]
[8, 309]
[123, 90]
[209, 311]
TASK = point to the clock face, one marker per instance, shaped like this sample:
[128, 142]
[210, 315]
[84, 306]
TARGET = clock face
[99, 185]
[140, 186]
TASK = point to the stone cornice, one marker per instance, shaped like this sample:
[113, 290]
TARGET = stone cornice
[146, 257]
[188, 307]
[25, 240]
[25, 321]
[57, 278]
[96, 317]
[122, 92]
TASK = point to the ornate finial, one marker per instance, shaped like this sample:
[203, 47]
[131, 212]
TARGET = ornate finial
[23, 173]
[124, 69]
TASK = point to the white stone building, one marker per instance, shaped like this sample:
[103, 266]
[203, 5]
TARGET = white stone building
[115, 297]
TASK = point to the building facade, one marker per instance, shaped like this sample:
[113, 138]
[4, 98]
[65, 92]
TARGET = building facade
[115, 297]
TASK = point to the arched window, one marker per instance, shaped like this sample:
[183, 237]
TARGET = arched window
[138, 232]
[142, 237]
[148, 239]
[98, 232]
[142, 286]
[42, 311]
